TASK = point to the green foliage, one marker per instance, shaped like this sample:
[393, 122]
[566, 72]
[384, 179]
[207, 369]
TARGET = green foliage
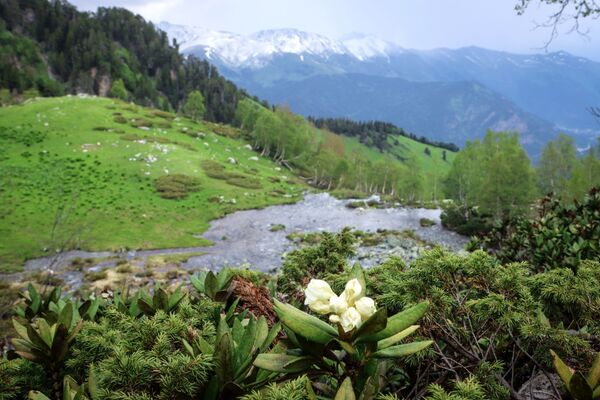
[28, 138]
[465, 220]
[118, 90]
[88, 50]
[176, 186]
[578, 385]
[145, 357]
[235, 351]
[215, 287]
[560, 236]
[555, 168]
[489, 315]
[469, 389]
[160, 301]
[375, 133]
[366, 350]
[328, 257]
[494, 174]
[194, 106]
[296, 389]
[18, 376]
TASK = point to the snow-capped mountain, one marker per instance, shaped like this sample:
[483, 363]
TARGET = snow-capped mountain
[255, 50]
[459, 91]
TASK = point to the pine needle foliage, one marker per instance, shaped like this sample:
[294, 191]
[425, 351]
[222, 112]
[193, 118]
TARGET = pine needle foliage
[136, 358]
[290, 390]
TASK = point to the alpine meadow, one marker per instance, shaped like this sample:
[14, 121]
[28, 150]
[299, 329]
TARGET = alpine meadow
[299, 200]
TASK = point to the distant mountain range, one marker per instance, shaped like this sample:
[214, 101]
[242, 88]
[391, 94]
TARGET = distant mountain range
[450, 95]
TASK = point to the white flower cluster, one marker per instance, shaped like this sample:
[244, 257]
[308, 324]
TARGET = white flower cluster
[350, 309]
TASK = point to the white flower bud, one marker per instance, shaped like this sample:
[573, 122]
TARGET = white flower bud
[338, 305]
[334, 319]
[352, 292]
[350, 319]
[318, 293]
[366, 307]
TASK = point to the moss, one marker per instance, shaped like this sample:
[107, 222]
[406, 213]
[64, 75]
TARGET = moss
[426, 222]
[93, 276]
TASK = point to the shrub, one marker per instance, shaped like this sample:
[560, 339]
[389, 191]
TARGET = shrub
[119, 119]
[329, 256]
[426, 222]
[176, 186]
[487, 318]
[216, 170]
[145, 358]
[465, 221]
[247, 182]
[141, 123]
[560, 236]
[213, 169]
[163, 114]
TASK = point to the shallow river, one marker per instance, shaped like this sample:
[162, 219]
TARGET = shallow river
[244, 238]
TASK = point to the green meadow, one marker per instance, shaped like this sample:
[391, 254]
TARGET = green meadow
[100, 174]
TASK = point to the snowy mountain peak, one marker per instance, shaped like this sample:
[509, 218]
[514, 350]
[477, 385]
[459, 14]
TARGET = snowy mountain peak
[255, 50]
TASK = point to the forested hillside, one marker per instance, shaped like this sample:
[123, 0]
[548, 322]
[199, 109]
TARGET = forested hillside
[373, 133]
[86, 52]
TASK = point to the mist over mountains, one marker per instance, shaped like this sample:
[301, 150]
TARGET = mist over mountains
[445, 94]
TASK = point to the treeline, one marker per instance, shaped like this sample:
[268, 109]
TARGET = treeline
[374, 133]
[493, 179]
[86, 52]
[322, 157]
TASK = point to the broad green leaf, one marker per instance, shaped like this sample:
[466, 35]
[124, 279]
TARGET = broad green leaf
[304, 324]
[198, 281]
[376, 323]
[579, 387]
[66, 315]
[223, 357]
[35, 395]
[357, 272]
[161, 299]
[210, 284]
[273, 332]
[382, 344]
[21, 330]
[398, 322]
[594, 374]
[46, 331]
[402, 350]
[345, 391]
[561, 368]
[283, 363]
[262, 332]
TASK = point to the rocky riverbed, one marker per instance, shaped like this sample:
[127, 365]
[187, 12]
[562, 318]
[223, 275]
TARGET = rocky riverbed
[257, 239]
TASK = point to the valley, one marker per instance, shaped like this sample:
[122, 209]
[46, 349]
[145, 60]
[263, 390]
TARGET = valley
[82, 172]
[458, 87]
[76, 178]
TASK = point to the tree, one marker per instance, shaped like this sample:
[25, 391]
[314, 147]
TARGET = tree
[556, 166]
[194, 106]
[118, 90]
[494, 174]
[565, 11]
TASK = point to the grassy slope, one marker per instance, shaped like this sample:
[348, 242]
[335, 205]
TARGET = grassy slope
[107, 183]
[433, 168]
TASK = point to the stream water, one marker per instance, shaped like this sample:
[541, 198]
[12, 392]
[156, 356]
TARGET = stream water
[244, 238]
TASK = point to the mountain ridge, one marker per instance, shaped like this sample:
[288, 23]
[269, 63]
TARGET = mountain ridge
[553, 90]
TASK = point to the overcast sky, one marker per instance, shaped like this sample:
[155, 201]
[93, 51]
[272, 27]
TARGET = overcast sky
[418, 24]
